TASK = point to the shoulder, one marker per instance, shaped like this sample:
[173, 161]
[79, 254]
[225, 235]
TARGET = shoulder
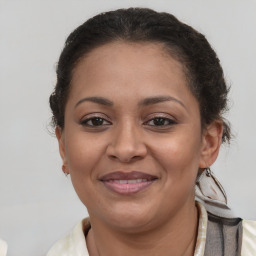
[3, 248]
[224, 235]
[233, 236]
[74, 243]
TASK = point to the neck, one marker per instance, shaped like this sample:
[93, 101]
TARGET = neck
[177, 237]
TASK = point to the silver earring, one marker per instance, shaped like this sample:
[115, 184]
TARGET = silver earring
[208, 171]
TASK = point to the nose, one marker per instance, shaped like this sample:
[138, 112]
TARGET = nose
[126, 144]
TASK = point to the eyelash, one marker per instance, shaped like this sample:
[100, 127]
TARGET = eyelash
[85, 122]
[163, 122]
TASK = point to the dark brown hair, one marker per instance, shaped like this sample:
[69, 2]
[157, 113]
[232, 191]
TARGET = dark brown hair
[201, 64]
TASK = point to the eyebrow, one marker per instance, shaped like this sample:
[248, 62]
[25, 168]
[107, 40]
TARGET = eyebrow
[144, 102]
[159, 99]
[98, 100]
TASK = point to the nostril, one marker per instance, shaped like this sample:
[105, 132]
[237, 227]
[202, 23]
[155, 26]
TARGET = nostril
[126, 147]
[125, 159]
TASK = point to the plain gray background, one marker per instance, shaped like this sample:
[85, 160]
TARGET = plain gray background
[37, 202]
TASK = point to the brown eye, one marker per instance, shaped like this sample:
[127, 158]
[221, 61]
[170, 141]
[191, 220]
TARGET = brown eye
[95, 121]
[160, 121]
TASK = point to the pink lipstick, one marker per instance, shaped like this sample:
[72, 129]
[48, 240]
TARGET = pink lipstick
[127, 182]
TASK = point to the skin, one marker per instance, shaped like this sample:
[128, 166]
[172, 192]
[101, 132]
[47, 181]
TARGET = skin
[161, 219]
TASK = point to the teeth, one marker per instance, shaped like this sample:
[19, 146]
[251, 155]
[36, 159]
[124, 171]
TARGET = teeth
[135, 181]
[131, 181]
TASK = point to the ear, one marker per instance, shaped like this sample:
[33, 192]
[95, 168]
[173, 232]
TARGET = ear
[211, 141]
[60, 136]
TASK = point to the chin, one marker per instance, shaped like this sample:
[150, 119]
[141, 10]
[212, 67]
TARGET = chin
[130, 224]
[129, 217]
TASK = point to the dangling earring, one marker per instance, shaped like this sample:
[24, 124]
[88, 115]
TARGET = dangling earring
[208, 171]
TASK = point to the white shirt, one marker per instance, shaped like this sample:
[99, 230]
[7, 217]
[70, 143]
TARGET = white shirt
[3, 248]
[74, 244]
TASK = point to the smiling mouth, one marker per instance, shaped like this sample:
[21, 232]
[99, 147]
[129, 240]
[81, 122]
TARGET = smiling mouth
[127, 183]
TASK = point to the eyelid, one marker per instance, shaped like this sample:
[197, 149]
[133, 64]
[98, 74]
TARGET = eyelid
[172, 121]
[95, 115]
[160, 115]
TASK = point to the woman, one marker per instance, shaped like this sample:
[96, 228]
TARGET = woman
[138, 110]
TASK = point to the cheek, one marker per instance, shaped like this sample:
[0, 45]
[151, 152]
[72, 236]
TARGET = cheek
[83, 157]
[181, 168]
[179, 155]
[83, 153]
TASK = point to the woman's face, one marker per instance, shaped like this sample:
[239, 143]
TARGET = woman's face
[132, 141]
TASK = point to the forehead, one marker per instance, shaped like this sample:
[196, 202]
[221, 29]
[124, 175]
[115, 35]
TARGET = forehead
[128, 73]
[126, 60]
[118, 47]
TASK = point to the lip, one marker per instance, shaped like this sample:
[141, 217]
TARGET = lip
[127, 182]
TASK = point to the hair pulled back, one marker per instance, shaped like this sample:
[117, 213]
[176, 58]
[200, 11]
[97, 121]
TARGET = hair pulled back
[201, 64]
